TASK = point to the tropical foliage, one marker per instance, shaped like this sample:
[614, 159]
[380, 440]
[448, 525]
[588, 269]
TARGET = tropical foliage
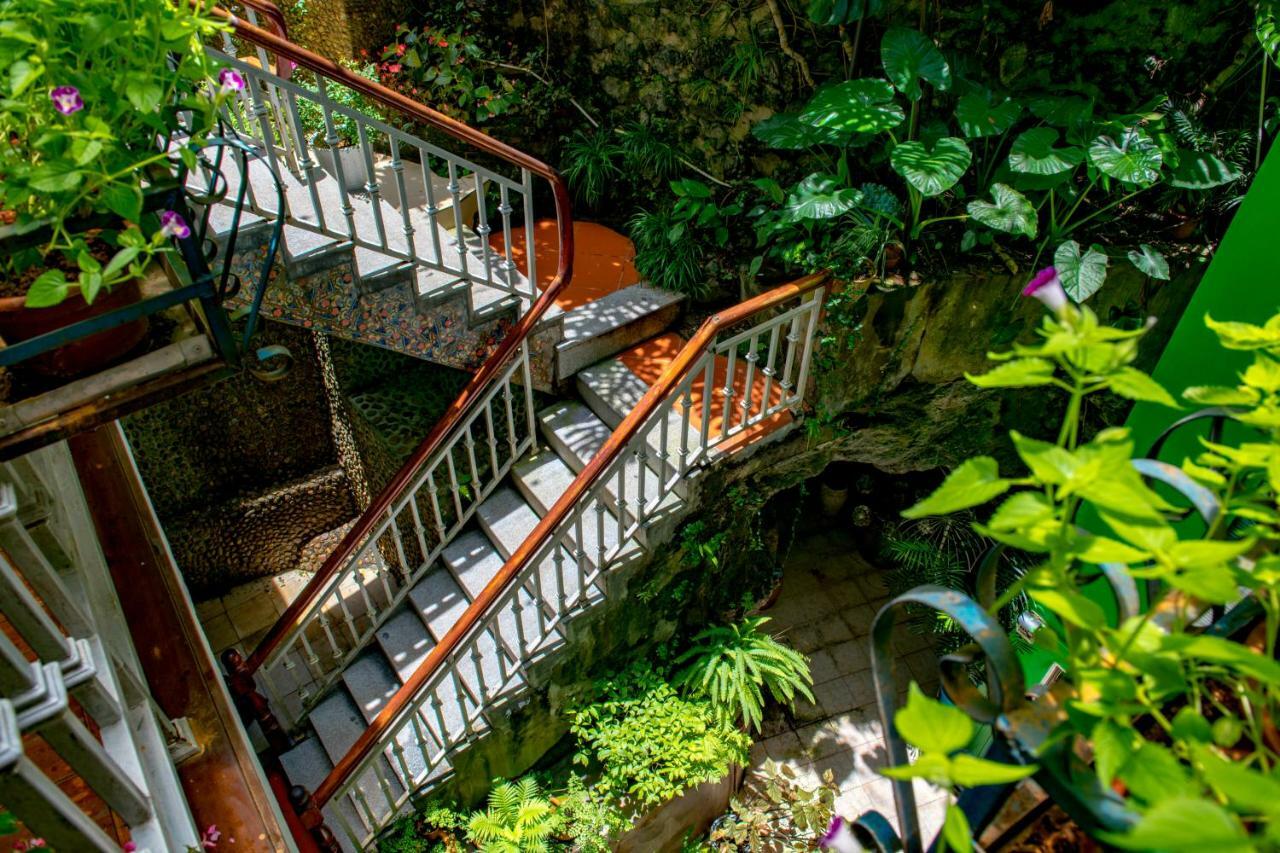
[518, 819]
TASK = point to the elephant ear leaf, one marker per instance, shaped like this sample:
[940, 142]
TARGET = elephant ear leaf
[980, 115]
[931, 172]
[1011, 212]
[1033, 153]
[1149, 261]
[854, 106]
[788, 132]
[836, 12]
[820, 196]
[908, 57]
[1134, 158]
[1081, 275]
[1197, 170]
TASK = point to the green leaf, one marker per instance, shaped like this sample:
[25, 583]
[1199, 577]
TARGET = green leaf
[956, 831]
[1011, 212]
[1223, 651]
[22, 74]
[1190, 725]
[1048, 462]
[1244, 336]
[1060, 110]
[1032, 153]
[789, 133]
[820, 196]
[1018, 373]
[969, 770]
[1149, 261]
[932, 172]
[835, 12]
[854, 106]
[1267, 28]
[143, 92]
[909, 57]
[120, 260]
[1181, 823]
[1071, 607]
[1081, 276]
[1245, 788]
[1133, 384]
[1134, 159]
[1112, 746]
[124, 200]
[1021, 511]
[49, 288]
[979, 117]
[1210, 395]
[1197, 170]
[932, 726]
[975, 482]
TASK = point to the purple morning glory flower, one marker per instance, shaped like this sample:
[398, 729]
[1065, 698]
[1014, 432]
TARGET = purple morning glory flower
[66, 100]
[173, 225]
[1047, 287]
[839, 837]
[231, 80]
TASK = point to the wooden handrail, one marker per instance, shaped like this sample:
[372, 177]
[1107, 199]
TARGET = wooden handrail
[599, 464]
[474, 390]
[271, 12]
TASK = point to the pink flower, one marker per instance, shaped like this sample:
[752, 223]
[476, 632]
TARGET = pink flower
[130, 847]
[839, 837]
[210, 838]
[1047, 287]
[173, 225]
[400, 49]
[231, 80]
[393, 68]
[66, 100]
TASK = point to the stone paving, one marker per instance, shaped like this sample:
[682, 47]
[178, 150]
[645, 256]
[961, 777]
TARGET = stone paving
[830, 595]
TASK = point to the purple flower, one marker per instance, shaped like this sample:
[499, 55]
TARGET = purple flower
[173, 225]
[231, 80]
[839, 837]
[1047, 287]
[210, 838]
[66, 100]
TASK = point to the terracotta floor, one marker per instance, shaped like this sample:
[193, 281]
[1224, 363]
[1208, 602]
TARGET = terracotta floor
[602, 259]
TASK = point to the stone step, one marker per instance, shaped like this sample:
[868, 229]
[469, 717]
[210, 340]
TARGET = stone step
[338, 723]
[371, 682]
[439, 601]
[607, 326]
[307, 764]
[405, 641]
[507, 519]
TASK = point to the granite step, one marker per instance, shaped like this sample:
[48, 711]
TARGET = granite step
[606, 326]
[307, 764]
[338, 723]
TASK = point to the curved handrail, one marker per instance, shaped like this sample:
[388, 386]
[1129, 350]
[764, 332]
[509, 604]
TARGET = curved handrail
[547, 526]
[270, 11]
[311, 594]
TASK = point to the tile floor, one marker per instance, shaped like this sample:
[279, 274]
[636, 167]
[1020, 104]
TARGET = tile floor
[830, 596]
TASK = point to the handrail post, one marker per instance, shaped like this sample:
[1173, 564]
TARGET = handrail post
[251, 704]
[313, 820]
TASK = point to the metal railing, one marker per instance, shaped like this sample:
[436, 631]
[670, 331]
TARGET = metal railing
[759, 372]
[482, 433]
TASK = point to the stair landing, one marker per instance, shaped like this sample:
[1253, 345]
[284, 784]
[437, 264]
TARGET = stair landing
[603, 260]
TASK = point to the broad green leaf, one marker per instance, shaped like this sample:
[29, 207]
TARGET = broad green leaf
[932, 172]
[1081, 276]
[835, 12]
[1189, 824]
[1133, 384]
[1071, 607]
[1266, 27]
[788, 132]
[820, 196]
[1244, 336]
[1227, 653]
[969, 770]
[1019, 373]
[1032, 153]
[909, 57]
[1149, 261]
[975, 482]
[854, 106]
[978, 116]
[1263, 374]
[22, 74]
[1244, 787]
[1132, 159]
[1011, 212]
[1207, 553]
[1112, 746]
[55, 180]
[1153, 772]
[49, 288]
[1020, 511]
[124, 200]
[932, 726]
[1101, 549]
[1190, 725]
[956, 830]
[933, 766]
[1048, 462]
[1060, 111]
[1197, 170]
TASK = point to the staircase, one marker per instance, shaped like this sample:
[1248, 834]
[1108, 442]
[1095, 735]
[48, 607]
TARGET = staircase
[513, 516]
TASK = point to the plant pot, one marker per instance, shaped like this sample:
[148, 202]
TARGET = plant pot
[1186, 228]
[662, 829]
[833, 499]
[353, 166]
[20, 323]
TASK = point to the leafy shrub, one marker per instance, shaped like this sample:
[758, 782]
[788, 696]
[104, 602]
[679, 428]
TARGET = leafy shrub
[592, 820]
[775, 813]
[650, 743]
[311, 114]
[591, 163]
[732, 665]
[518, 820]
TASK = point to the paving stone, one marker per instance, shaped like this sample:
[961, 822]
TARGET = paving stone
[824, 667]
[851, 656]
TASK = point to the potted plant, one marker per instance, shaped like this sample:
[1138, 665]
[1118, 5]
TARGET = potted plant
[93, 111]
[344, 161]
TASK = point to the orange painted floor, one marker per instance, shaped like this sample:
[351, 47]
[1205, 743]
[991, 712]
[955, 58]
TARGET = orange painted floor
[603, 259]
[647, 361]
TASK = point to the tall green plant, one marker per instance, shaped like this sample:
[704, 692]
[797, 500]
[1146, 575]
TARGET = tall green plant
[734, 665]
[518, 819]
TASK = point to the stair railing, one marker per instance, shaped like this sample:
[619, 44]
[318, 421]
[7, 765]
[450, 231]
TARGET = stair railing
[737, 372]
[464, 456]
[414, 197]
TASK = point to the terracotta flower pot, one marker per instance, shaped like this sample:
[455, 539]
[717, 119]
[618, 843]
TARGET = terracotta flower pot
[20, 323]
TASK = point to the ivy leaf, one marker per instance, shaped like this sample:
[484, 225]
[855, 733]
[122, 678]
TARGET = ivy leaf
[1133, 384]
[932, 726]
[975, 482]
[1018, 373]
[1188, 824]
[1197, 170]
[787, 132]
[1011, 213]
[1149, 261]
[854, 106]
[1032, 153]
[932, 172]
[1134, 159]
[1081, 276]
[908, 57]
[820, 196]
[979, 117]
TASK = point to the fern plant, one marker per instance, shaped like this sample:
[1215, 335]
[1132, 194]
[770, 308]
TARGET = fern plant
[733, 665]
[518, 820]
